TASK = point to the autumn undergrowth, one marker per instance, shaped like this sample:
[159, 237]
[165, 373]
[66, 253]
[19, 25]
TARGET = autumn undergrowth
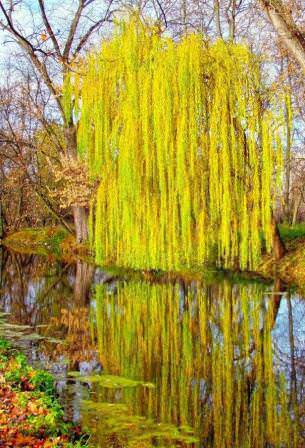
[30, 414]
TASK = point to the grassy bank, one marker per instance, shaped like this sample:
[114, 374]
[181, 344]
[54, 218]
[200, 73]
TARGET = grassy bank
[41, 241]
[291, 268]
[30, 414]
[55, 241]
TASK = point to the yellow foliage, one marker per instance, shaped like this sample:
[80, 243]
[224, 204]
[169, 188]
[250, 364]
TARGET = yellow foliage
[185, 146]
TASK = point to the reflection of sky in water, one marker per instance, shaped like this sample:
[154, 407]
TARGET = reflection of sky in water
[281, 331]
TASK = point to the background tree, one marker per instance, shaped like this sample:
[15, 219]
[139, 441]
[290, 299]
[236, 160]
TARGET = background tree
[288, 21]
[26, 146]
[51, 50]
[281, 15]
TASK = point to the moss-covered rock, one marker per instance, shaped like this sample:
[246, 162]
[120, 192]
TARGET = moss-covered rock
[47, 241]
[42, 241]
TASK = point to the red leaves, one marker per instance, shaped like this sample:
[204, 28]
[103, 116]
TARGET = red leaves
[19, 440]
[14, 428]
[30, 415]
[25, 384]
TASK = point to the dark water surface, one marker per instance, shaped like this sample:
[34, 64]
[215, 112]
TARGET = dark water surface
[208, 361]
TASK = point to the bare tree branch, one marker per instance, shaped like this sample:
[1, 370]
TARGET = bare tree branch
[20, 38]
[73, 28]
[93, 28]
[49, 28]
[162, 12]
[30, 50]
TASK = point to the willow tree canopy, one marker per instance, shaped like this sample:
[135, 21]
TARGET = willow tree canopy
[185, 144]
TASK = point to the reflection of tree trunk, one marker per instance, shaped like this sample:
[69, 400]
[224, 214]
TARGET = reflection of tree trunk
[19, 268]
[276, 301]
[293, 375]
[183, 294]
[271, 319]
[83, 279]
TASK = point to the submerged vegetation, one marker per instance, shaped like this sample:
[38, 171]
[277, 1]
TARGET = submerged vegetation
[52, 241]
[290, 232]
[41, 241]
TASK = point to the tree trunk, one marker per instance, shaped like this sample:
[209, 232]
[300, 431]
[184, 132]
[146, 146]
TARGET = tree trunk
[80, 217]
[279, 249]
[217, 18]
[287, 165]
[1, 220]
[80, 214]
[1, 204]
[297, 204]
[286, 28]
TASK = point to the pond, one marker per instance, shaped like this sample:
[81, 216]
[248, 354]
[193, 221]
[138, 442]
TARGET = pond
[205, 360]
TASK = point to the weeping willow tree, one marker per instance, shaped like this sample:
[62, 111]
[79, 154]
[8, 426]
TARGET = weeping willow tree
[186, 144]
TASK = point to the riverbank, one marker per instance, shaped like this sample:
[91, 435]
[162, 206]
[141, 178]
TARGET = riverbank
[57, 242]
[291, 268]
[48, 241]
[30, 414]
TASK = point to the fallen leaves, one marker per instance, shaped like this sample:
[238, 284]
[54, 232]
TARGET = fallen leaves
[30, 416]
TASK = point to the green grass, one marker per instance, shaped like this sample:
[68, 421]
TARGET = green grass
[289, 232]
[43, 241]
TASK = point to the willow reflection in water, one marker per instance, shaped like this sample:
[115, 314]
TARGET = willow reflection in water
[227, 360]
[209, 351]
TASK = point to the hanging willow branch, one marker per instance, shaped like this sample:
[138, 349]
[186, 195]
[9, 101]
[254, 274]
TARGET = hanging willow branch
[185, 152]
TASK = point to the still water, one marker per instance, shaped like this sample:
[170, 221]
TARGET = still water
[201, 361]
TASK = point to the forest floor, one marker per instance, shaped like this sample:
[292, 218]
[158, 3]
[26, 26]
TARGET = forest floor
[57, 242]
[30, 415]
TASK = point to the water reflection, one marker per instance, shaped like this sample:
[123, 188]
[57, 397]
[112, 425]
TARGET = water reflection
[226, 358]
[209, 350]
[52, 298]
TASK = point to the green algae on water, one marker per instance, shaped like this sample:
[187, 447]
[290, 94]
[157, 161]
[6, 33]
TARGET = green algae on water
[109, 381]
